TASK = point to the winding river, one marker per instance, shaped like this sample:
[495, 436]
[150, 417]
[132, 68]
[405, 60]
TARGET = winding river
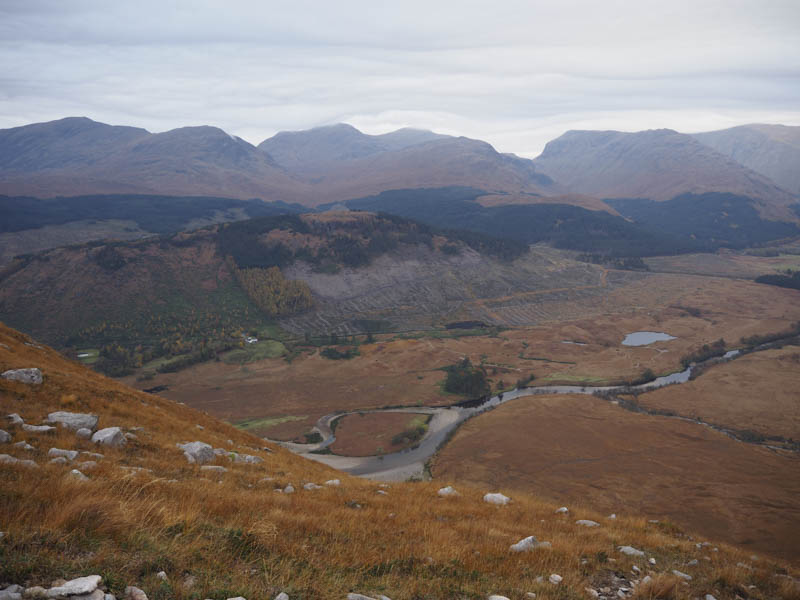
[405, 464]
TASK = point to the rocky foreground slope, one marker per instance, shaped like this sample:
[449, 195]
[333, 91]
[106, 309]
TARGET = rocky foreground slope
[108, 492]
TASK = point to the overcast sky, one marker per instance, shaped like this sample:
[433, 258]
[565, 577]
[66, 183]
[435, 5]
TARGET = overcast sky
[514, 73]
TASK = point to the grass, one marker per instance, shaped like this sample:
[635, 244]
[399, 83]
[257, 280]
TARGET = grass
[261, 350]
[266, 423]
[241, 538]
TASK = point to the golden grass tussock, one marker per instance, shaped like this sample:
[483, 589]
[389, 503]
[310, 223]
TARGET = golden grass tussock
[236, 535]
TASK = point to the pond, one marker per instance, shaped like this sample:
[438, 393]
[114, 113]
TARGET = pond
[643, 338]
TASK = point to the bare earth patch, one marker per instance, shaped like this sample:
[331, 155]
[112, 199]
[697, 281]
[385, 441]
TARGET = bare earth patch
[366, 434]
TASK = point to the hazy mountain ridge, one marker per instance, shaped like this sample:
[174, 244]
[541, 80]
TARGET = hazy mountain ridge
[772, 150]
[656, 164]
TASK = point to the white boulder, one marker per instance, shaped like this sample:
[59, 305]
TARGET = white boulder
[84, 433]
[24, 446]
[282, 596]
[333, 482]
[76, 587]
[562, 511]
[11, 460]
[15, 419]
[197, 452]
[681, 575]
[498, 499]
[587, 523]
[496, 597]
[5, 437]
[78, 475]
[214, 469]
[289, 489]
[448, 491]
[134, 593]
[73, 421]
[38, 428]
[527, 544]
[555, 579]
[68, 454]
[312, 486]
[630, 551]
[32, 376]
[110, 436]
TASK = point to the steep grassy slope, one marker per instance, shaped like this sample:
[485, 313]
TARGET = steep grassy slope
[144, 509]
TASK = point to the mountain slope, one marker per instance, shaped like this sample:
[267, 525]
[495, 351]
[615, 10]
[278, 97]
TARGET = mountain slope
[81, 156]
[656, 165]
[772, 150]
[223, 532]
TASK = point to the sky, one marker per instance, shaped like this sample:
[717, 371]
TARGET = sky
[514, 73]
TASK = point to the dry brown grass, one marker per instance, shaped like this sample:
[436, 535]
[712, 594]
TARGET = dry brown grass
[237, 536]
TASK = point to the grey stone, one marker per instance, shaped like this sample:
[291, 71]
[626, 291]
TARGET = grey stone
[84, 433]
[95, 595]
[76, 587]
[238, 598]
[94, 455]
[447, 491]
[587, 523]
[247, 458]
[14, 589]
[134, 593]
[289, 489]
[32, 376]
[681, 575]
[562, 511]
[15, 419]
[282, 596]
[109, 597]
[11, 460]
[333, 482]
[312, 486]
[197, 452]
[110, 436]
[498, 499]
[214, 469]
[87, 465]
[24, 446]
[6, 595]
[527, 544]
[78, 475]
[38, 428]
[5, 437]
[58, 452]
[35, 593]
[555, 579]
[59, 460]
[73, 421]
[630, 551]
[162, 576]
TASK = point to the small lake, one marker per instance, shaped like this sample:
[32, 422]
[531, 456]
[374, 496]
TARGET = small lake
[643, 338]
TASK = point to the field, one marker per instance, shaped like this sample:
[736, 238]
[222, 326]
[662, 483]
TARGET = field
[407, 372]
[365, 434]
[758, 392]
[583, 451]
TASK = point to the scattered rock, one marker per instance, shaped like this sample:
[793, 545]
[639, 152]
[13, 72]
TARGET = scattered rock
[312, 486]
[448, 491]
[73, 421]
[58, 452]
[562, 511]
[282, 596]
[709, 597]
[35, 593]
[189, 581]
[134, 593]
[527, 544]
[5, 437]
[15, 419]
[612, 516]
[84, 433]
[110, 436]
[197, 452]
[681, 575]
[131, 437]
[333, 482]
[200, 427]
[58, 460]
[247, 458]
[162, 576]
[78, 475]
[630, 551]
[87, 465]
[651, 560]
[498, 499]
[353, 596]
[692, 563]
[496, 597]
[24, 446]
[555, 579]
[76, 587]
[382, 493]
[214, 469]
[32, 376]
[11, 460]
[289, 489]
[12, 592]
[94, 455]
[38, 428]
[530, 595]
[587, 523]
[593, 593]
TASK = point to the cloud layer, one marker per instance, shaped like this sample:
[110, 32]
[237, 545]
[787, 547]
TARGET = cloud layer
[516, 73]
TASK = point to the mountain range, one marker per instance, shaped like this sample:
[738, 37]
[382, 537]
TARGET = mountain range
[336, 163]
